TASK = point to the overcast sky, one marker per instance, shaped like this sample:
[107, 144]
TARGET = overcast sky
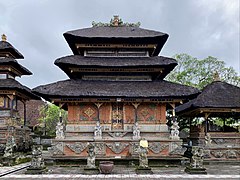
[200, 28]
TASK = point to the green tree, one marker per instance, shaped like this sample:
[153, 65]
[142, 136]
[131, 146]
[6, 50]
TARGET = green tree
[50, 117]
[199, 73]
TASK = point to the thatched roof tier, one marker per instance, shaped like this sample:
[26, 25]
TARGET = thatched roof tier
[115, 35]
[163, 63]
[217, 98]
[10, 62]
[12, 84]
[118, 89]
[6, 48]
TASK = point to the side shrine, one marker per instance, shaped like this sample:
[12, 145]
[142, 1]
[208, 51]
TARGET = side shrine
[12, 130]
[116, 93]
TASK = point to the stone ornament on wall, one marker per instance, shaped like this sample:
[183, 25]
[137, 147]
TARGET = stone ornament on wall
[176, 149]
[60, 131]
[56, 149]
[117, 147]
[217, 154]
[231, 154]
[100, 148]
[174, 131]
[117, 134]
[134, 148]
[157, 147]
[77, 147]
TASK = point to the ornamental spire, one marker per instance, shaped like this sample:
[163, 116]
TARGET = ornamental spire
[4, 37]
[216, 76]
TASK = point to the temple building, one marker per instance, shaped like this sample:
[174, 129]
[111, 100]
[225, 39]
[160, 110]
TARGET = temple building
[116, 93]
[12, 92]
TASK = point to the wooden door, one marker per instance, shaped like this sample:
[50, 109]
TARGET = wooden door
[117, 116]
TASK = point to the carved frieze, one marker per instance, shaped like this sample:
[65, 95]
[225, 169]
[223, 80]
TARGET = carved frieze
[231, 154]
[117, 134]
[134, 148]
[117, 147]
[157, 147]
[100, 148]
[77, 147]
[217, 154]
[56, 149]
[176, 149]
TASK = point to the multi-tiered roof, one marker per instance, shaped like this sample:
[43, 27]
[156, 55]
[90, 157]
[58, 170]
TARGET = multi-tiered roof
[9, 69]
[115, 60]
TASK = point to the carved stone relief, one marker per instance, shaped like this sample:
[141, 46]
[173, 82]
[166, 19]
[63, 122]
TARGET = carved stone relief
[231, 154]
[56, 149]
[100, 148]
[117, 147]
[77, 147]
[217, 154]
[134, 148]
[176, 149]
[117, 134]
[156, 147]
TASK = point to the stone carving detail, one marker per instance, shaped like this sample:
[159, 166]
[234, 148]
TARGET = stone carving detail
[98, 131]
[117, 147]
[156, 147]
[2, 147]
[77, 147]
[176, 149]
[117, 134]
[136, 132]
[89, 112]
[60, 131]
[91, 156]
[10, 147]
[208, 140]
[134, 148]
[174, 131]
[197, 157]
[56, 149]
[37, 159]
[143, 151]
[100, 148]
[231, 154]
[217, 154]
[219, 141]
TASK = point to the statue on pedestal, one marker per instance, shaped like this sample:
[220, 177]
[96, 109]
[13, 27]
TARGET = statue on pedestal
[37, 160]
[60, 131]
[136, 131]
[143, 150]
[91, 156]
[197, 157]
[98, 131]
[174, 130]
[10, 146]
[208, 140]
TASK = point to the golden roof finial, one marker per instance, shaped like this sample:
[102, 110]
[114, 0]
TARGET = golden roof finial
[216, 76]
[116, 20]
[4, 37]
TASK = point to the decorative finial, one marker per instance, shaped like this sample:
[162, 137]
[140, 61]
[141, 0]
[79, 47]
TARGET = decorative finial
[4, 37]
[115, 22]
[216, 76]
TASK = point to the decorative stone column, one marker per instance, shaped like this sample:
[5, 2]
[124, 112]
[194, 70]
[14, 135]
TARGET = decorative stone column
[91, 165]
[60, 128]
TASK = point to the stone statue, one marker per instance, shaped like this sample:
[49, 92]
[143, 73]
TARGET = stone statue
[208, 140]
[37, 160]
[10, 147]
[143, 150]
[174, 130]
[197, 157]
[60, 131]
[136, 132]
[98, 131]
[91, 156]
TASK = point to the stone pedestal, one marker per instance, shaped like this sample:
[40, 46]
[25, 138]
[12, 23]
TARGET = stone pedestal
[91, 171]
[144, 170]
[191, 170]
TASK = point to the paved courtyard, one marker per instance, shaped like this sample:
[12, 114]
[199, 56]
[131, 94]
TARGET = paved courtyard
[216, 171]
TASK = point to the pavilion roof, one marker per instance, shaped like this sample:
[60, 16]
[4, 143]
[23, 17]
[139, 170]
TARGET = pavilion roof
[6, 47]
[112, 34]
[12, 62]
[12, 84]
[215, 96]
[135, 89]
[116, 62]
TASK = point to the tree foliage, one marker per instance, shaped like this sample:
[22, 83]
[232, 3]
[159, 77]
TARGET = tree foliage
[200, 72]
[50, 117]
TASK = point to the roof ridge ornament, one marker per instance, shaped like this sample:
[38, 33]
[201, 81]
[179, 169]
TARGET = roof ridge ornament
[216, 77]
[115, 22]
[4, 37]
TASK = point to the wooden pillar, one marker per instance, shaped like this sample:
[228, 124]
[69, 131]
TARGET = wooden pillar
[24, 113]
[98, 112]
[173, 111]
[206, 123]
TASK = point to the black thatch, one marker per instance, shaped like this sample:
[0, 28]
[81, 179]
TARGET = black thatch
[132, 35]
[12, 84]
[7, 47]
[15, 64]
[135, 89]
[117, 62]
[215, 95]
